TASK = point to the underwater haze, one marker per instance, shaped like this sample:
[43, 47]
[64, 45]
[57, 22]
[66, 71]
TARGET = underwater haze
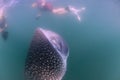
[94, 42]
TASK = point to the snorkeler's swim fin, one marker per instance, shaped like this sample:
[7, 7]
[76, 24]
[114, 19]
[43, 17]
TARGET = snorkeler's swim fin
[78, 12]
[4, 35]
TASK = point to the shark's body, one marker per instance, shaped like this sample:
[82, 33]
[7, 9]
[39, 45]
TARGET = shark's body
[47, 56]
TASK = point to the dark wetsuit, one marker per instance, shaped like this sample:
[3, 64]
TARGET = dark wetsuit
[2, 23]
[4, 33]
[47, 7]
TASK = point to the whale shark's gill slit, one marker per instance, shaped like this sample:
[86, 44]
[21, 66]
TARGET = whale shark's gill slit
[43, 61]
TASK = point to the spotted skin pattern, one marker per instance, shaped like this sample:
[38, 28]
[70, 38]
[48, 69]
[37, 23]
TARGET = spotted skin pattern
[43, 61]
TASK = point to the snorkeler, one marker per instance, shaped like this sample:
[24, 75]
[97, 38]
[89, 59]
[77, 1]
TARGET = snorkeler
[3, 23]
[4, 5]
[42, 5]
[47, 6]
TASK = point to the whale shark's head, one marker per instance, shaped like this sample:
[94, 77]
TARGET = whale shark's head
[47, 56]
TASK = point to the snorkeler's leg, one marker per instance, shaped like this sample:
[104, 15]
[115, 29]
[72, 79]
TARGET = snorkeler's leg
[59, 11]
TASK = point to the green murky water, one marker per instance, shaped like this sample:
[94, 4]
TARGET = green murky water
[94, 42]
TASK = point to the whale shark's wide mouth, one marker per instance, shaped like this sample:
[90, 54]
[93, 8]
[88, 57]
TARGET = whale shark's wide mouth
[57, 42]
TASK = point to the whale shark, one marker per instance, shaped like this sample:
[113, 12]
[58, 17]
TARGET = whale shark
[47, 56]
